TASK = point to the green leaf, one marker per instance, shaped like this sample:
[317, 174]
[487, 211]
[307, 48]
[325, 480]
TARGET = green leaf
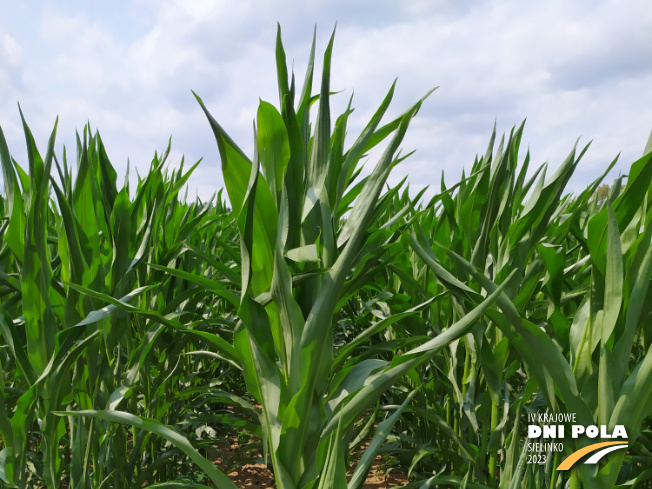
[306, 253]
[273, 146]
[237, 169]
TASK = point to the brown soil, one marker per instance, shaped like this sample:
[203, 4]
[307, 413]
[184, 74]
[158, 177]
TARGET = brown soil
[258, 476]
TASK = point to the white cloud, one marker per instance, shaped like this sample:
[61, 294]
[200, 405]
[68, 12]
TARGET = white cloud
[10, 51]
[581, 68]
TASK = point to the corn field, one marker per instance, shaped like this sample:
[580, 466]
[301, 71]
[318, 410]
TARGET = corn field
[319, 314]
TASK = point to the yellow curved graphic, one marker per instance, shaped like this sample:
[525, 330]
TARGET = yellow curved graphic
[575, 456]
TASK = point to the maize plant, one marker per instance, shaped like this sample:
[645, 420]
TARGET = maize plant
[306, 234]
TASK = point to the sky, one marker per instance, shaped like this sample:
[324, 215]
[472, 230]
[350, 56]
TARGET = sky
[580, 69]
